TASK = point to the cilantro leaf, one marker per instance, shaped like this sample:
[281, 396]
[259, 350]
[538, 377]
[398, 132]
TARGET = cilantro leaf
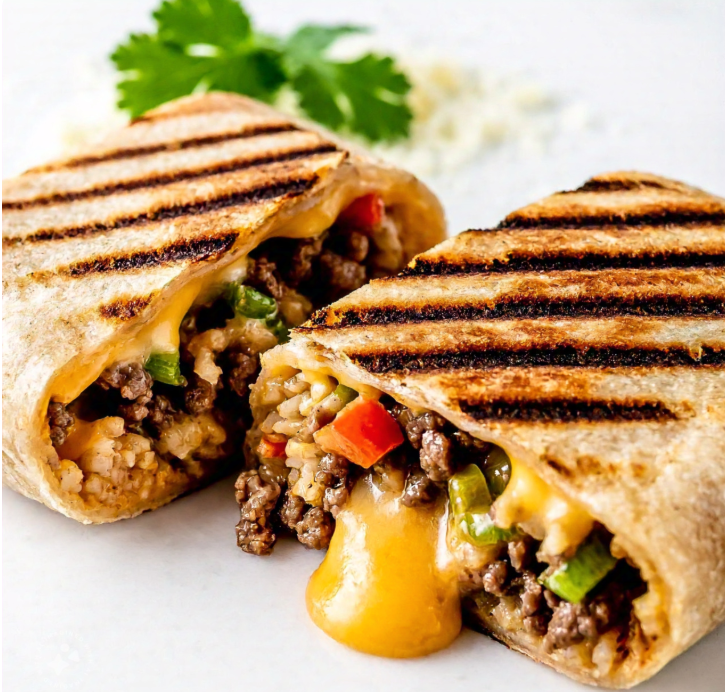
[154, 73]
[366, 96]
[222, 23]
[311, 40]
[317, 90]
[376, 92]
[201, 45]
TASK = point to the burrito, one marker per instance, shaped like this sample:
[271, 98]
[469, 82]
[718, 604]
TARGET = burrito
[524, 431]
[144, 275]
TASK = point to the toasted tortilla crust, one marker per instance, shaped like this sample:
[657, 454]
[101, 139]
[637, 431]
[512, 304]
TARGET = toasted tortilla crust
[96, 244]
[586, 336]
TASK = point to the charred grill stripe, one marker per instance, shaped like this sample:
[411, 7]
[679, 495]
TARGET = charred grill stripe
[196, 250]
[536, 357]
[172, 177]
[125, 308]
[586, 261]
[191, 142]
[663, 217]
[567, 411]
[621, 185]
[291, 188]
[531, 307]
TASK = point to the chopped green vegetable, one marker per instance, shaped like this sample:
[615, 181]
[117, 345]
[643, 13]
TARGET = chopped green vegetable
[471, 504]
[165, 367]
[203, 45]
[248, 302]
[346, 394]
[467, 491]
[497, 470]
[578, 576]
[278, 328]
[478, 528]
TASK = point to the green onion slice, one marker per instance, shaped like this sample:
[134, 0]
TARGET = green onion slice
[248, 302]
[165, 367]
[471, 504]
[578, 576]
[468, 490]
[278, 328]
[346, 394]
[479, 529]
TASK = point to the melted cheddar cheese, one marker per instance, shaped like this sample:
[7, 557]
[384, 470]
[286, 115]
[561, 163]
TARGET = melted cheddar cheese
[386, 586]
[161, 334]
[541, 511]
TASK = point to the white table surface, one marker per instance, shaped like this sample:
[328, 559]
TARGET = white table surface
[167, 601]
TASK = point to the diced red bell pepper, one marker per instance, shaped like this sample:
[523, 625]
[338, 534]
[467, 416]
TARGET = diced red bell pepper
[364, 213]
[269, 449]
[363, 432]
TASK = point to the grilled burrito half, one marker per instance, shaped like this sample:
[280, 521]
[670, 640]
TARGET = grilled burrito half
[526, 425]
[144, 275]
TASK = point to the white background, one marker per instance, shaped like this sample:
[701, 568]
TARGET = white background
[167, 601]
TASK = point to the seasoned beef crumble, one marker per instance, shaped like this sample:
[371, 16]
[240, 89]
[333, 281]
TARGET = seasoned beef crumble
[257, 499]
[60, 421]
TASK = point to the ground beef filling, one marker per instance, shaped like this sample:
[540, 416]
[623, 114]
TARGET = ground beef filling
[60, 421]
[513, 578]
[419, 469]
[178, 432]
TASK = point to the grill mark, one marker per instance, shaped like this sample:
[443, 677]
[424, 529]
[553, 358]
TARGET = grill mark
[535, 357]
[291, 188]
[134, 152]
[196, 250]
[125, 309]
[553, 410]
[173, 177]
[530, 307]
[567, 261]
[663, 217]
[620, 185]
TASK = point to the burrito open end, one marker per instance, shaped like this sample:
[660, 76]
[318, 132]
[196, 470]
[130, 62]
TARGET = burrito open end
[526, 427]
[144, 276]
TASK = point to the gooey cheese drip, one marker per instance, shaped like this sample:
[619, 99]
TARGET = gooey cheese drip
[387, 586]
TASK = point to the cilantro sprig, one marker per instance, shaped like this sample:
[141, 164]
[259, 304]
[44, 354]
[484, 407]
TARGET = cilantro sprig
[211, 45]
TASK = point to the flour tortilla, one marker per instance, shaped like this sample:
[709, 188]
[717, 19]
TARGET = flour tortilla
[586, 336]
[97, 244]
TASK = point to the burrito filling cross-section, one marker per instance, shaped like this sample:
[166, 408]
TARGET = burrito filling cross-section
[173, 402]
[510, 545]
[145, 276]
[523, 431]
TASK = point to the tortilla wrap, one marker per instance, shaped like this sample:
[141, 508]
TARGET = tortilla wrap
[586, 336]
[98, 245]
